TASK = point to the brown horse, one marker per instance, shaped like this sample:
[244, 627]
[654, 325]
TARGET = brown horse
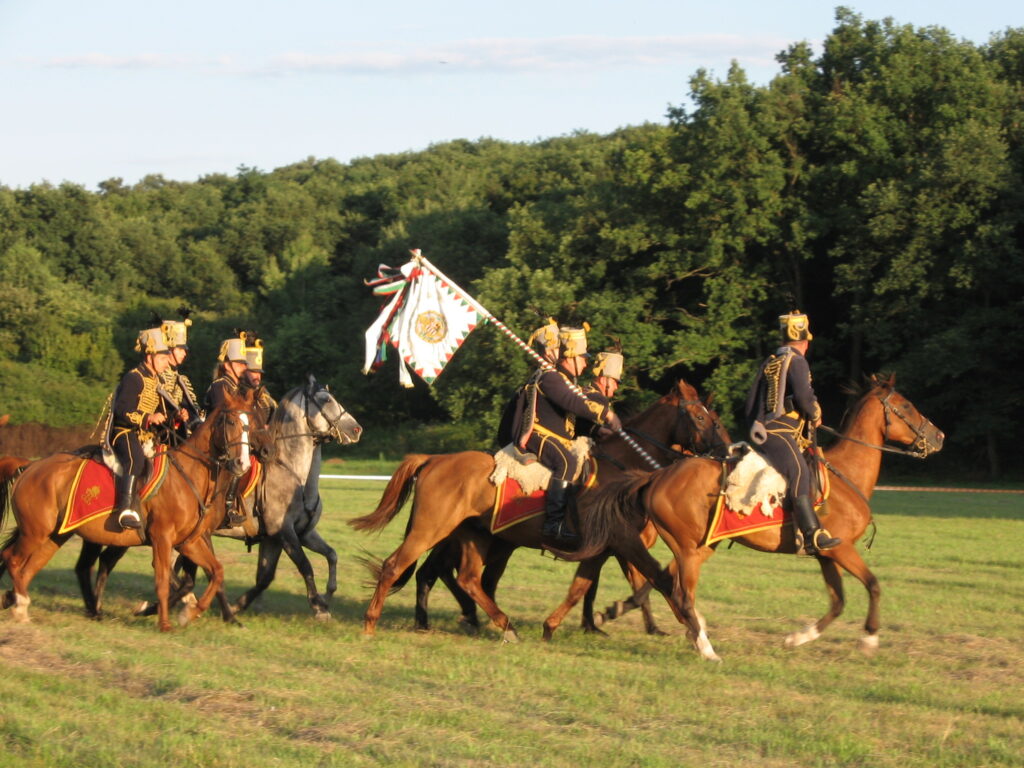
[179, 516]
[680, 500]
[453, 488]
[679, 421]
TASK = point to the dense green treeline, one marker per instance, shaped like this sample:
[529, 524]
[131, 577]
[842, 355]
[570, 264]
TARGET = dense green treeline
[877, 186]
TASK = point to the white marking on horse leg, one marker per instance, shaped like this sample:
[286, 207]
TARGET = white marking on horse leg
[700, 620]
[799, 638]
[188, 609]
[20, 610]
[869, 645]
[705, 647]
[246, 463]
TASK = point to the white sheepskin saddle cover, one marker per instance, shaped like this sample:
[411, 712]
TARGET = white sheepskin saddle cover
[754, 481]
[526, 470]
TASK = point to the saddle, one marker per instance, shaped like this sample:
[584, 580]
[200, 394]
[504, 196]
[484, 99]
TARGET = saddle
[520, 481]
[750, 497]
[92, 490]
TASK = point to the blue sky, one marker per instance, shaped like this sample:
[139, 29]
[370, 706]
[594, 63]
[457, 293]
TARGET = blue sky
[104, 88]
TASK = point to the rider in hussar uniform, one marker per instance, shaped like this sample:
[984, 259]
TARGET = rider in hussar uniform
[175, 387]
[782, 411]
[136, 409]
[253, 379]
[228, 376]
[550, 405]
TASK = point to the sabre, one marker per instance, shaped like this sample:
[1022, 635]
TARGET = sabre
[544, 363]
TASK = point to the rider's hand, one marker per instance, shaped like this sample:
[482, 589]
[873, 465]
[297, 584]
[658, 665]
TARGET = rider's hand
[155, 418]
[614, 422]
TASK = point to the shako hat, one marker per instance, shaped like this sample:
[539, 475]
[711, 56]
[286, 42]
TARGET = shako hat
[572, 341]
[254, 356]
[795, 327]
[177, 332]
[233, 350]
[608, 364]
[152, 341]
[544, 341]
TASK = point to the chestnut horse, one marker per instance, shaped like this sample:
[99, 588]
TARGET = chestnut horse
[680, 500]
[678, 421]
[453, 488]
[178, 516]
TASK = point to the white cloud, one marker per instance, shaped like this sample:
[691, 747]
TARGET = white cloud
[538, 55]
[511, 55]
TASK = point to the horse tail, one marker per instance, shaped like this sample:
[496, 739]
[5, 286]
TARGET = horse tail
[6, 490]
[616, 510]
[395, 495]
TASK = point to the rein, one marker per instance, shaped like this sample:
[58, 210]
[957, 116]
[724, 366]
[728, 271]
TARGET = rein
[214, 465]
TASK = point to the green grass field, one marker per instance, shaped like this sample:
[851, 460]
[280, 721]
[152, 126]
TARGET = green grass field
[945, 689]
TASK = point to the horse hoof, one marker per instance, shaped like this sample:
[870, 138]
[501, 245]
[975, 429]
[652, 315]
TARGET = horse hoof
[600, 620]
[322, 615]
[142, 609]
[188, 609]
[509, 636]
[869, 645]
[655, 632]
[796, 639]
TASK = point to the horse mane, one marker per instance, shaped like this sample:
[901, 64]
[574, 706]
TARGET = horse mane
[858, 391]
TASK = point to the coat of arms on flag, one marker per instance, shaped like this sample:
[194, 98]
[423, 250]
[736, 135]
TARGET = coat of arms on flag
[426, 320]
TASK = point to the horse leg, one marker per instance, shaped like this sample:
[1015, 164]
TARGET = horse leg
[585, 579]
[162, 577]
[200, 552]
[268, 556]
[293, 548]
[83, 571]
[312, 540]
[680, 599]
[639, 599]
[470, 574]
[109, 558]
[441, 563]
[846, 556]
[23, 560]
[182, 582]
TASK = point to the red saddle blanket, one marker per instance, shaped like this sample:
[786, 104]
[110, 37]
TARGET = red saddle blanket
[727, 523]
[92, 491]
[512, 506]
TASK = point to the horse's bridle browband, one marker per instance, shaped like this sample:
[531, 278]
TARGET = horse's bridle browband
[919, 449]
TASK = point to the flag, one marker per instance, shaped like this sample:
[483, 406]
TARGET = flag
[426, 320]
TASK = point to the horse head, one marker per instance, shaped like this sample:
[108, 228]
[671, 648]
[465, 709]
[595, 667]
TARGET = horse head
[326, 417]
[230, 432]
[696, 424]
[903, 422]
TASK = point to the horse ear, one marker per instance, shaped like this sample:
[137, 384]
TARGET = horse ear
[709, 399]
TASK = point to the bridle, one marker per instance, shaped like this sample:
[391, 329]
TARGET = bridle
[919, 449]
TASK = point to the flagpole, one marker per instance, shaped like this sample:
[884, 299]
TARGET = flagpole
[544, 362]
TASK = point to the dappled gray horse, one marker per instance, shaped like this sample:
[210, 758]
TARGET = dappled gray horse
[288, 500]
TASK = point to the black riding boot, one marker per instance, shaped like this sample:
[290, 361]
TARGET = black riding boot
[815, 538]
[555, 531]
[236, 516]
[125, 504]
